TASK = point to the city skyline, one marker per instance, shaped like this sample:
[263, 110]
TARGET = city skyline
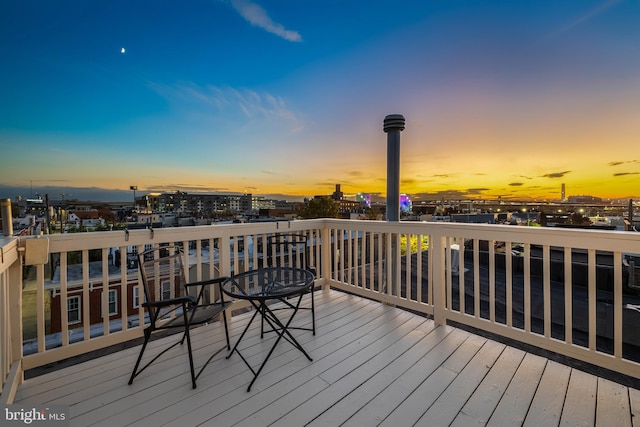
[501, 99]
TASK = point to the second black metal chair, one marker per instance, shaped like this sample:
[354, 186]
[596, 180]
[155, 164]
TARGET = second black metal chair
[292, 250]
[172, 303]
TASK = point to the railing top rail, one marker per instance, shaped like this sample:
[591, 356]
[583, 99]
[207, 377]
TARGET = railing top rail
[8, 252]
[625, 241]
[622, 241]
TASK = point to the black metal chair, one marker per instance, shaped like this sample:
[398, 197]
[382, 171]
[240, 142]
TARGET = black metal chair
[172, 303]
[292, 250]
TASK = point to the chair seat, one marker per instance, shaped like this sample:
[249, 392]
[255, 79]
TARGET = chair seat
[204, 314]
[209, 313]
[169, 299]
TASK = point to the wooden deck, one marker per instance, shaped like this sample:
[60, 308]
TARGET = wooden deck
[372, 365]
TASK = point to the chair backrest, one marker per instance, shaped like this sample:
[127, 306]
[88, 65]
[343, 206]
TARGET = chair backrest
[163, 275]
[288, 250]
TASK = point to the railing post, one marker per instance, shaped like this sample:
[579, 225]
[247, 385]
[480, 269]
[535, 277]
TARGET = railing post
[436, 251]
[7, 220]
[327, 258]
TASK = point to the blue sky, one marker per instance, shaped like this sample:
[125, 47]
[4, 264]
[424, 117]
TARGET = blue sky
[502, 98]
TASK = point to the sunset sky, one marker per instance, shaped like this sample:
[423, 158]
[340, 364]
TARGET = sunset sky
[287, 97]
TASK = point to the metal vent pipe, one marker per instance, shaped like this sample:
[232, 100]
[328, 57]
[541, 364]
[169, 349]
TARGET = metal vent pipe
[393, 125]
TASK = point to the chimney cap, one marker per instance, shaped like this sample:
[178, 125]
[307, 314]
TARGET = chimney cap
[393, 122]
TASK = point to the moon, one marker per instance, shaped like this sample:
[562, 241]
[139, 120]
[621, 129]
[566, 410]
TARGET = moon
[122, 50]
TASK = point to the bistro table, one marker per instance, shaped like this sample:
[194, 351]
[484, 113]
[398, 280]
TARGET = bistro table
[268, 284]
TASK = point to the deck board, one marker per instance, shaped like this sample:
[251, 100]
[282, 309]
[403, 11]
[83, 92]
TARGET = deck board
[580, 401]
[546, 408]
[484, 400]
[372, 365]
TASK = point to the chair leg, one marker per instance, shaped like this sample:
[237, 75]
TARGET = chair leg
[226, 329]
[313, 312]
[193, 371]
[147, 335]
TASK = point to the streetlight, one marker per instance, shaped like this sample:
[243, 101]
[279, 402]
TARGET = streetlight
[134, 188]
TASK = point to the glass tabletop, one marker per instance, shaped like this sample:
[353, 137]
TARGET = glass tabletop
[267, 283]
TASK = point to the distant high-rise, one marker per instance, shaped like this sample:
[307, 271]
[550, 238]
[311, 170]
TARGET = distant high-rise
[337, 195]
[563, 195]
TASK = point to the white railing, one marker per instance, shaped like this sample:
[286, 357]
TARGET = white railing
[10, 316]
[554, 292]
[567, 291]
[81, 264]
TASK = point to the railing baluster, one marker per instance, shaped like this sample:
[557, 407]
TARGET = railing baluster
[617, 305]
[64, 314]
[492, 280]
[476, 278]
[105, 293]
[568, 296]
[508, 271]
[546, 291]
[593, 298]
[40, 307]
[86, 296]
[527, 287]
[461, 284]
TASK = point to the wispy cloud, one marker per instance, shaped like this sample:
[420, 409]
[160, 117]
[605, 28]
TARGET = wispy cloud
[477, 190]
[626, 173]
[590, 14]
[516, 184]
[555, 174]
[249, 103]
[259, 17]
[623, 162]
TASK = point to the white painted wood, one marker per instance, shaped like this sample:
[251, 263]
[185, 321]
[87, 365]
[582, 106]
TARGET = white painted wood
[546, 408]
[445, 409]
[480, 406]
[492, 281]
[612, 404]
[634, 399]
[568, 297]
[513, 406]
[373, 364]
[546, 285]
[40, 307]
[509, 282]
[527, 287]
[428, 391]
[580, 402]
[591, 256]
[617, 304]
[10, 386]
[390, 396]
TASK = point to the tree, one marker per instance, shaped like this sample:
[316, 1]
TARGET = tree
[578, 219]
[372, 214]
[320, 208]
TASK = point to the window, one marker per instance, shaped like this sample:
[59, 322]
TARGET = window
[166, 290]
[73, 310]
[136, 296]
[113, 302]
